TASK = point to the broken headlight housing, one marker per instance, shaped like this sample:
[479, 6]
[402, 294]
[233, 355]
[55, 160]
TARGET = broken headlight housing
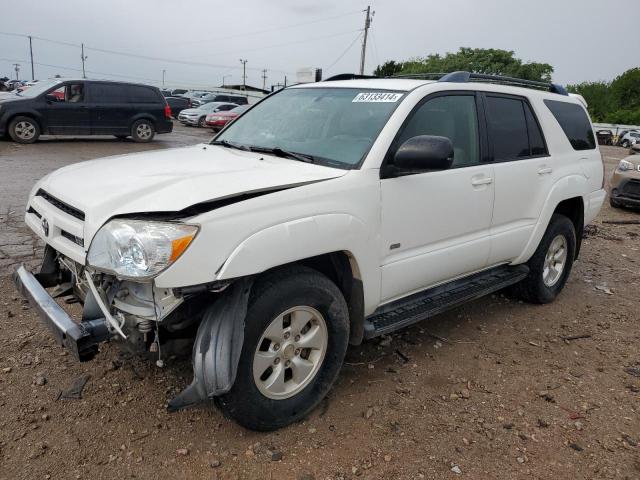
[138, 249]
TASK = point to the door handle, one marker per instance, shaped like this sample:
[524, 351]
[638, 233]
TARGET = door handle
[481, 181]
[545, 171]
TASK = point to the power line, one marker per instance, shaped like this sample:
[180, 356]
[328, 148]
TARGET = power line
[274, 29]
[345, 52]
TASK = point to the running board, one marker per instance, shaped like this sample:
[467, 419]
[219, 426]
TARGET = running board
[425, 304]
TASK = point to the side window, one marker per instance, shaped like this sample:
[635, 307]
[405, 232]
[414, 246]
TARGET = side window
[224, 108]
[508, 128]
[536, 141]
[454, 117]
[140, 94]
[108, 93]
[574, 122]
[73, 93]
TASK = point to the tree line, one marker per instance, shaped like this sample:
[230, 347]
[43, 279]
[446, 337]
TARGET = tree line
[617, 101]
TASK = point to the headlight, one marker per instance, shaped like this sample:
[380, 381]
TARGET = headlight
[625, 165]
[139, 249]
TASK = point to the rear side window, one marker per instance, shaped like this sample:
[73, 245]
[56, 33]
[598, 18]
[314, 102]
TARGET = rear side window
[515, 133]
[508, 127]
[574, 122]
[140, 94]
[108, 93]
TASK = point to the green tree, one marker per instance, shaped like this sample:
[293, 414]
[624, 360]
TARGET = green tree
[479, 60]
[388, 69]
[598, 97]
[625, 90]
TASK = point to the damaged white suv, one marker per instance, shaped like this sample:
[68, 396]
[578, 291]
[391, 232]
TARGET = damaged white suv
[324, 215]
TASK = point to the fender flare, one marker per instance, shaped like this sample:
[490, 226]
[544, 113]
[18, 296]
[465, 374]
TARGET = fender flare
[565, 188]
[304, 238]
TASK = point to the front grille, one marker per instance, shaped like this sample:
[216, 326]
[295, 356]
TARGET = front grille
[73, 238]
[631, 188]
[60, 205]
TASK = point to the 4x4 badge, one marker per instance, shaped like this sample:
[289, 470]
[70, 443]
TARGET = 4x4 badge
[45, 227]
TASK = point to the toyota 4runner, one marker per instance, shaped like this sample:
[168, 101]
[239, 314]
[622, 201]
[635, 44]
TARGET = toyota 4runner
[325, 215]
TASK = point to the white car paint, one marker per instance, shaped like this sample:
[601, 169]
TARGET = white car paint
[447, 224]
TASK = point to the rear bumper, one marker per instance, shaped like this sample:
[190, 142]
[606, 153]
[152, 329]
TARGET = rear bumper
[165, 127]
[80, 338]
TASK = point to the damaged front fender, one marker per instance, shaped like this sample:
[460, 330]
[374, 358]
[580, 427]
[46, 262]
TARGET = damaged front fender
[217, 348]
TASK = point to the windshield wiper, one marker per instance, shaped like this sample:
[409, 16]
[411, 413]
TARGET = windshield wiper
[228, 144]
[279, 152]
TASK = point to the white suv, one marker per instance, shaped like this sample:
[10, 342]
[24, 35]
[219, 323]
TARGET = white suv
[324, 215]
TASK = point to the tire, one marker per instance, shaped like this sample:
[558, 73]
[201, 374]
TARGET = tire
[304, 290]
[534, 289]
[202, 122]
[614, 203]
[24, 129]
[142, 131]
[625, 144]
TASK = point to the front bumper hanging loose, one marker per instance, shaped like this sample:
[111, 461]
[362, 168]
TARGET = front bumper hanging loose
[82, 338]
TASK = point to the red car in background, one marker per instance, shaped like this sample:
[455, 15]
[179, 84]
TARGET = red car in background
[216, 121]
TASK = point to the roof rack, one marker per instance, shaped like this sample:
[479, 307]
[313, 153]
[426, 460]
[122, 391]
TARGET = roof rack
[466, 77]
[348, 76]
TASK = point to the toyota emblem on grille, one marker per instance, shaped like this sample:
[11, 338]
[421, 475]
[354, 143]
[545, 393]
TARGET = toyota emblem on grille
[45, 227]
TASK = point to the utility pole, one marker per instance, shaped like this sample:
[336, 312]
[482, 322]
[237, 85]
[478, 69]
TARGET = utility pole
[33, 75]
[83, 57]
[16, 67]
[223, 77]
[367, 24]
[163, 72]
[244, 73]
[264, 79]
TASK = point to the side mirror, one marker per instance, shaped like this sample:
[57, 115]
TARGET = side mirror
[50, 97]
[423, 153]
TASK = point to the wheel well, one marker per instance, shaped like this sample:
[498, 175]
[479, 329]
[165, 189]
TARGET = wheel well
[573, 209]
[342, 268]
[30, 115]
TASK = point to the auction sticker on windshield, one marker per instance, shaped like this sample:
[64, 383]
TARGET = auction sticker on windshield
[377, 97]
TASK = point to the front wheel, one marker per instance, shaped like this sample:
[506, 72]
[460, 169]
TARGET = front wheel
[142, 131]
[202, 122]
[24, 130]
[296, 336]
[550, 265]
[625, 144]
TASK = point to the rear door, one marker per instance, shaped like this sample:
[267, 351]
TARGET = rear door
[110, 108]
[524, 173]
[69, 114]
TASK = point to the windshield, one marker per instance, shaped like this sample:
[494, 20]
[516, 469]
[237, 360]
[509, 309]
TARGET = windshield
[330, 125]
[209, 106]
[38, 88]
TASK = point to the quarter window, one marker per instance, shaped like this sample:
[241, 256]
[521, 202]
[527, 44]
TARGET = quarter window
[536, 141]
[574, 122]
[454, 117]
[140, 94]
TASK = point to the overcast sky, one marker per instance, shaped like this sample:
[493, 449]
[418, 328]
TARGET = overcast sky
[582, 39]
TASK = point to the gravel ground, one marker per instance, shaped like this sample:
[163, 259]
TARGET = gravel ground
[496, 389]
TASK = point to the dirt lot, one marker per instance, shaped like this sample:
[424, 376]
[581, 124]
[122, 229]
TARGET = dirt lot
[496, 389]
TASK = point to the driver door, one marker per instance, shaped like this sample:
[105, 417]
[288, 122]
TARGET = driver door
[68, 114]
[435, 225]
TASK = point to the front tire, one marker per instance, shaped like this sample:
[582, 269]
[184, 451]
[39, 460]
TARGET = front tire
[142, 131]
[296, 336]
[550, 265]
[625, 144]
[24, 130]
[202, 122]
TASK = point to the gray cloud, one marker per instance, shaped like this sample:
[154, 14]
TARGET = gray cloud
[583, 40]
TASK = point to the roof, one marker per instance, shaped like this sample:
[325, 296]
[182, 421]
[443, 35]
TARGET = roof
[400, 84]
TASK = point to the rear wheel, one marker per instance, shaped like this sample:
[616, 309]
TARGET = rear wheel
[202, 122]
[142, 131]
[296, 336]
[24, 130]
[550, 265]
[625, 144]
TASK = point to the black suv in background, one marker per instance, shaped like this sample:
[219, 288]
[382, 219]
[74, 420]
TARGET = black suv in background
[85, 107]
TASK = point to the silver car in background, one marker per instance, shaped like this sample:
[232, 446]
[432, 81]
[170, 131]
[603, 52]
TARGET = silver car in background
[197, 116]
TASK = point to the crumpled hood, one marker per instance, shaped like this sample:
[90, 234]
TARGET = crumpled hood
[171, 180]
